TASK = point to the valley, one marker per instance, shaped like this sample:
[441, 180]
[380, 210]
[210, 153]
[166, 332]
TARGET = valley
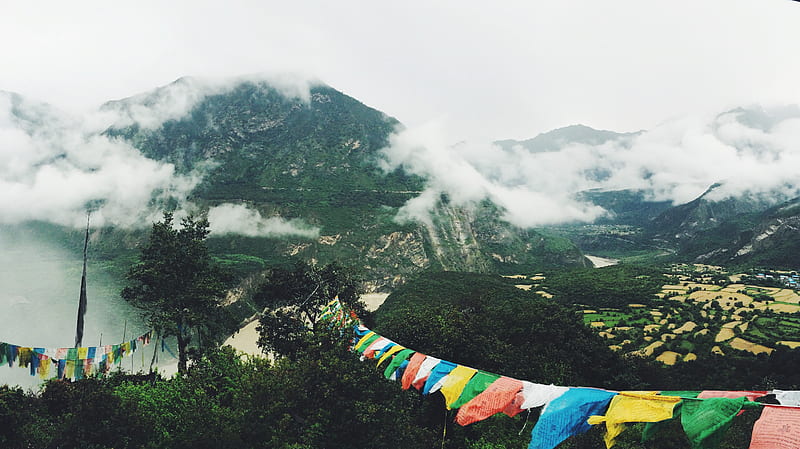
[316, 178]
[703, 311]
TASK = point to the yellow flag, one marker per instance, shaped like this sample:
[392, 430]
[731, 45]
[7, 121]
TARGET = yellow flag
[363, 339]
[44, 368]
[455, 382]
[83, 353]
[634, 406]
[69, 372]
[393, 350]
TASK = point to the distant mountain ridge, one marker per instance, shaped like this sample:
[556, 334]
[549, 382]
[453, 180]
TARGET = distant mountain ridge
[556, 139]
[314, 155]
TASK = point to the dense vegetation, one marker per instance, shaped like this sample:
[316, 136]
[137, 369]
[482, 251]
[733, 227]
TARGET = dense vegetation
[485, 322]
[323, 396]
[614, 286]
[177, 285]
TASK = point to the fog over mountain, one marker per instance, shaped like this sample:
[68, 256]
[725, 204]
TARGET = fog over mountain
[55, 166]
[751, 150]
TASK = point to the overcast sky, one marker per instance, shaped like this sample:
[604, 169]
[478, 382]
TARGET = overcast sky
[481, 69]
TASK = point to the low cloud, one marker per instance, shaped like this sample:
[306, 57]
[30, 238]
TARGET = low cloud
[751, 151]
[152, 109]
[469, 173]
[239, 219]
[55, 166]
[51, 170]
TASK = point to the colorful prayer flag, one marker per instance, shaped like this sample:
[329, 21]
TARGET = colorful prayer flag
[566, 416]
[777, 428]
[455, 381]
[492, 400]
[634, 406]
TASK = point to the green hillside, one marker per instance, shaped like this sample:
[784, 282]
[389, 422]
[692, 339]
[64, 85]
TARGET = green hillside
[318, 161]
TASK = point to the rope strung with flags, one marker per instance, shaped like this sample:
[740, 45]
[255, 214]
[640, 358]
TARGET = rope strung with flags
[568, 411]
[70, 363]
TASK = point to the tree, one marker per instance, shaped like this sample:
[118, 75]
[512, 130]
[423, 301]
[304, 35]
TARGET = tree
[176, 284]
[293, 298]
[486, 323]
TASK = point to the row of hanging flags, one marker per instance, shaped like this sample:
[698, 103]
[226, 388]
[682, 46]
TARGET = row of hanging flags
[568, 411]
[69, 363]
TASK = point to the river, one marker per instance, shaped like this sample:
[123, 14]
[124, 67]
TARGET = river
[600, 262]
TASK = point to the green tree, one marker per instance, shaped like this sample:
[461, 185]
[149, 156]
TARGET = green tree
[293, 298]
[176, 284]
[484, 322]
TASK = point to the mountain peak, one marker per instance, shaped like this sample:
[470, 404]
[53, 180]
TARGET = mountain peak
[558, 138]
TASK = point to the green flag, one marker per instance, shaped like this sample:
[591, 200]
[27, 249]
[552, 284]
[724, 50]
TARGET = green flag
[705, 421]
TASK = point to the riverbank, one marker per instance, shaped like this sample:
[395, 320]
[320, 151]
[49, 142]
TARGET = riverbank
[244, 340]
[600, 262]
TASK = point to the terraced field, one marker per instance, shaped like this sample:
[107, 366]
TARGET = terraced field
[699, 313]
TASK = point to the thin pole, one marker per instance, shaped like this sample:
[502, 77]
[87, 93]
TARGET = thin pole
[155, 352]
[82, 302]
[444, 429]
[124, 334]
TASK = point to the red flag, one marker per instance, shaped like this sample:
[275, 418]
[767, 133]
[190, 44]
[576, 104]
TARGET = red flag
[493, 400]
[777, 428]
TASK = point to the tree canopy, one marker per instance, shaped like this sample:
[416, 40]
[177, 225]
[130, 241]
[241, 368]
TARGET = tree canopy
[613, 286]
[176, 284]
[293, 297]
[485, 322]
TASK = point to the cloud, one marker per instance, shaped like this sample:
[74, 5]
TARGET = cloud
[750, 151]
[51, 170]
[152, 109]
[54, 166]
[468, 174]
[239, 219]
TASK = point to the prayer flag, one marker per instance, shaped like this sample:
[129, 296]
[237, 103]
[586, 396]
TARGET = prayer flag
[633, 406]
[397, 360]
[455, 381]
[705, 421]
[477, 385]
[393, 350]
[424, 372]
[566, 416]
[363, 341]
[533, 395]
[376, 345]
[787, 397]
[652, 428]
[751, 395]
[62, 364]
[381, 351]
[777, 428]
[493, 400]
[438, 372]
[411, 370]
[399, 371]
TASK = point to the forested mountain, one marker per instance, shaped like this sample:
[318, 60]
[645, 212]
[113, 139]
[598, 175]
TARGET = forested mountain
[746, 230]
[316, 159]
[742, 230]
[309, 155]
[773, 239]
[314, 155]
